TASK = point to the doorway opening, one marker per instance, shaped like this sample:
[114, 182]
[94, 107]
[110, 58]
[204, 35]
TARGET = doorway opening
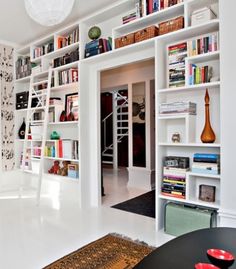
[127, 131]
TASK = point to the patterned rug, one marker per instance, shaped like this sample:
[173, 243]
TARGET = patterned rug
[109, 252]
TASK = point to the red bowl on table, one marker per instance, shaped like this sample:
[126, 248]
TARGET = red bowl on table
[205, 266]
[220, 258]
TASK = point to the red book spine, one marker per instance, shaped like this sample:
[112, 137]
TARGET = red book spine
[203, 75]
[60, 149]
[161, 4]
[150, 6]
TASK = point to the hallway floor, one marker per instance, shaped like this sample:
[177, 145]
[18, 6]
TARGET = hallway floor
[115, 186]
[33, 236]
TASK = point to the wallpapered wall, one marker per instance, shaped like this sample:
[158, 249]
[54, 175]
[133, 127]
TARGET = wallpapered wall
[7, 107]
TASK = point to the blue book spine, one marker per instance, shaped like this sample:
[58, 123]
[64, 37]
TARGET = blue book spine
[206, 156]
[92, 44]
[155, 5]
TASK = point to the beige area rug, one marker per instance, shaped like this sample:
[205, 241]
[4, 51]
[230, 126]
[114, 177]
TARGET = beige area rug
[109, 252]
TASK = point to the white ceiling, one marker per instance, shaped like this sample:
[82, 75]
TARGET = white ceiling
[17, 27]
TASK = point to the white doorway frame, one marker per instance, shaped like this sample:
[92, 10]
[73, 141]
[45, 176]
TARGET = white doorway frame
[90, 129]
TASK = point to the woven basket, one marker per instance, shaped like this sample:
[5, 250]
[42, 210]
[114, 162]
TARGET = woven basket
[171, 25]
[124, 40]
[146, 33]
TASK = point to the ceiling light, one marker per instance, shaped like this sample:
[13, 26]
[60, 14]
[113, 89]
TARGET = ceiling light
[49, 12]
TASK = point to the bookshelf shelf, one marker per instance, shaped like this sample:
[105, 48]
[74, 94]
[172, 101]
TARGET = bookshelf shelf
[65, 87]
[61, 159]
[174, 116]
[64, 123]
[150, 19]
[56, 53]
[202, 86]
[214, 205]
[203, 175]
[211, 56]
[66, 66]
[23, 80]
[200, 145]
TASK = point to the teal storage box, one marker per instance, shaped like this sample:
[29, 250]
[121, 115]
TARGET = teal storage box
[181, 219]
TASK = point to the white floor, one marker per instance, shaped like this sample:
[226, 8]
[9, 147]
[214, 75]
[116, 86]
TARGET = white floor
[32, 237]
[115, 185]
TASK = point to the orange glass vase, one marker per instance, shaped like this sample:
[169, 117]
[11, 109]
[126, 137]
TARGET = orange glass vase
[208, 135]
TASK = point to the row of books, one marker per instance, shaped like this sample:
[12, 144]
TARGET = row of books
[178, 108]
[44, 49]
[203, 45]
[63, 148]
[68, 76]
[71, 38]
[23, 67]
[174, 176]
[176, 60]
[98, 46]
[206, 163]
[199, 74]
[156, 5]
[71, 57]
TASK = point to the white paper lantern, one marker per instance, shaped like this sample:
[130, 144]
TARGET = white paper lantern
[49, 12]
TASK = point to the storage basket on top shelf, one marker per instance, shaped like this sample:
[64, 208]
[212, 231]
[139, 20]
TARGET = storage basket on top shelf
[146, 33]
[171, 25]
[124, 40]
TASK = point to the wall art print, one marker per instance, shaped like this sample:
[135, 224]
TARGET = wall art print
[7, 107]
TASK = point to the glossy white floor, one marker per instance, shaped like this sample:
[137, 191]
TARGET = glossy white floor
[32, 237]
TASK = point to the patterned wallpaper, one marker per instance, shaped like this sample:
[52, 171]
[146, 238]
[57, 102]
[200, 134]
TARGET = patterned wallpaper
[7, 107]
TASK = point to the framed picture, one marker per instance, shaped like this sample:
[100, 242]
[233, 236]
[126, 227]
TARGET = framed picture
[71, 105]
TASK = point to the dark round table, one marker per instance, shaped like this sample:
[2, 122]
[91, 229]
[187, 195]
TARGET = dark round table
[185, 251]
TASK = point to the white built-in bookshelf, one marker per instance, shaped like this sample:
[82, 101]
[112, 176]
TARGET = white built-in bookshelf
[189, 126]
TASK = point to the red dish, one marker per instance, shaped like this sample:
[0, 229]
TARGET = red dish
[220, 254]
[220, 258]
[205, 266]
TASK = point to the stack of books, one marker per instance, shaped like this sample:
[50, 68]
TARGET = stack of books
[23, 67]
[98, 46]
[63, 148]
[44, 49]
[128, 18]
[176, 58]
[63, 41]
[203, 45]
[199, 74]
[206, 163]
[178, 108]
[68, 76]
[174, 177]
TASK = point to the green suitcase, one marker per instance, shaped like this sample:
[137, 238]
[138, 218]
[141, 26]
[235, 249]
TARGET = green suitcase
[181, 219]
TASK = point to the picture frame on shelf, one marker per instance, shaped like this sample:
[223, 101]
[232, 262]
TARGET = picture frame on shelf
[71, 106]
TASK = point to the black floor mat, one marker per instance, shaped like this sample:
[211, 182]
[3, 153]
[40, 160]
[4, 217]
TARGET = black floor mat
[143, 204]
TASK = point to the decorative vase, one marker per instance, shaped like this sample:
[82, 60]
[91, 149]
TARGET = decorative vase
[21, 131]
[70, 117]
[208, 135]
[55, 136]
[63, 116]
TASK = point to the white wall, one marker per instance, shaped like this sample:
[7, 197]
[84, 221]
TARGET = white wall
[228, 121]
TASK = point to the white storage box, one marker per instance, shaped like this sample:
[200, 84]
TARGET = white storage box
[202, 15]
[36, 132]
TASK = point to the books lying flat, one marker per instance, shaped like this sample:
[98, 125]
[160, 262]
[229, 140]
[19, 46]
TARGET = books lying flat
[178, 107]
[205, 171]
